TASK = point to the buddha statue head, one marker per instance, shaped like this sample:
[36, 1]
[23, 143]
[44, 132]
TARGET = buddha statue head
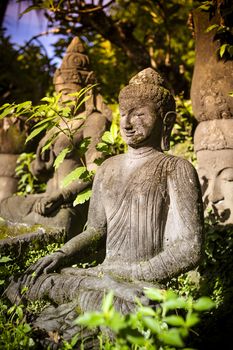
[213, 142]
[147, 111]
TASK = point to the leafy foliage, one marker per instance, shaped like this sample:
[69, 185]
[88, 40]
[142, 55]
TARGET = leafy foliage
[165, 326]
[27, 183]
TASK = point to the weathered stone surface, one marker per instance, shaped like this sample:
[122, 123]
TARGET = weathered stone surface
[145, 204]
[54, 208]
[213, 142]
[213, 77]
[12, 140]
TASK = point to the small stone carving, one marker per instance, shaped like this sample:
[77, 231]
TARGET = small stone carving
[213, 142]
[54, 208]
[145, 204]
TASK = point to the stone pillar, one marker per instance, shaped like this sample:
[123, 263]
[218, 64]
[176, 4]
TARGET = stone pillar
[213, 108]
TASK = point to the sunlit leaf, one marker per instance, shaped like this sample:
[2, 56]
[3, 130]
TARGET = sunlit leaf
[107, 302]
[174, 320]
[73, 175]
[204, 304]
[90, 319]
[171, 337]
[83, 196]
[61, 156]
[36, 132]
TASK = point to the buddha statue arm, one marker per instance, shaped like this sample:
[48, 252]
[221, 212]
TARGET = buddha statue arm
[78, 246]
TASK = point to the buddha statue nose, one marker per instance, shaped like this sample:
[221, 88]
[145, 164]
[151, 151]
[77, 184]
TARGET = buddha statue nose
[215, 194]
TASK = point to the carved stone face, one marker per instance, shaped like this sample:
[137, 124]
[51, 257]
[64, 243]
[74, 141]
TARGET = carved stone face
[215, 170]
[138, 124]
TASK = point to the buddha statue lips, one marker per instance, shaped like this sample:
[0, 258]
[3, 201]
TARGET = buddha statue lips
[146, 206]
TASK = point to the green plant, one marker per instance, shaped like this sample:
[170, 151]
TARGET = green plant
[112, 142]
[27, 183]
[16, 333]
[165, 325]
[56, 117]
[182, 133]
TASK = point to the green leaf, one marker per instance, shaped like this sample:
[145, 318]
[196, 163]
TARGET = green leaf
[174, 304]
[7, 111]
[204, 304]
[154, 294]
[83, 196]
[90, 319]
[116, 322]
[114, 130]
[108, 138]
[146, 311]
[174, 320]
[61, 156]
[192, 319]
[135, 338]
[152, 324]
[2, 282]
[172, 337]
[36, 132]
[107, 302]
[49, 142]
[25, 105]
[230, 50]
[5, 259]
[222, 49]
[211, 28]
[73, 175]
[19, 312]
[83, 146]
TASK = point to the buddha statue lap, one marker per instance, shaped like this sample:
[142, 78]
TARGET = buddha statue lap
[54, 208]
[145, 204]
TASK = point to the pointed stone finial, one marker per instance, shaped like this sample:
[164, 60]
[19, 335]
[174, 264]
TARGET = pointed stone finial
[74, 71]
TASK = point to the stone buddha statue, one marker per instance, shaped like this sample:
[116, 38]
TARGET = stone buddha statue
[54, 208]
[146, 206]
[213, 142]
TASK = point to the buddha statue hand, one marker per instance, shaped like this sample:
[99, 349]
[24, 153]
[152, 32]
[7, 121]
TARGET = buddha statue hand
[45, 265]
[48, 204]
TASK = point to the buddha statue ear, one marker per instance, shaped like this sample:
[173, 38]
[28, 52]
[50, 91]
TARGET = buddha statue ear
[168, 122]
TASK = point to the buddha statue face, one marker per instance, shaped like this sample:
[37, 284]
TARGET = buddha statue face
[215, 170]
[139, 123]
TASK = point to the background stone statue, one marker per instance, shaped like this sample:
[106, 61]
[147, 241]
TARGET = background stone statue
[146, 205]
[54, 208]
[213, 108]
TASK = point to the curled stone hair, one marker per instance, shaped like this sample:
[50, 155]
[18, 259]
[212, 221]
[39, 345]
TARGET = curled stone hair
[147, 87]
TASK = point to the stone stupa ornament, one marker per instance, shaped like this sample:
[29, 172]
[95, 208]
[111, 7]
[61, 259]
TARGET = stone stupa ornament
[213, 108]
[75, 72]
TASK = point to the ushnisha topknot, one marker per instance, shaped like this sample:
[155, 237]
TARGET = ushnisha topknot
[147, 87]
